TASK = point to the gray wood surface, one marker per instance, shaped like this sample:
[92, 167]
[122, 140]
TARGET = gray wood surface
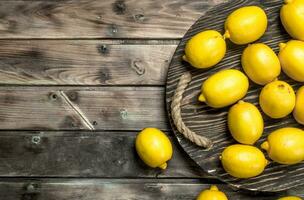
[127, 189]
[84, 62]
[84, 154]
[100, 19]
[82, 108]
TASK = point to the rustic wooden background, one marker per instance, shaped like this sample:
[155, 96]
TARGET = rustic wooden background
[78, 80]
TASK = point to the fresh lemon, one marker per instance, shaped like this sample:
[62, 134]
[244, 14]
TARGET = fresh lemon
[292, 59]
[298, 111]
[260, 63]
[246, 25]
[277, 99]
[245, 122]
[212, 194]
[243, 161]
[224, 88]
[285, 145]
[154, 147]
[292, 17]
[205, 49]
[290, 198]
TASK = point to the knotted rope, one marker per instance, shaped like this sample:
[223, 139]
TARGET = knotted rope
[177, 118]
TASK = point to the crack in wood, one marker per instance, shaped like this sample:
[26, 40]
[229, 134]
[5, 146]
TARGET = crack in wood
[77, 110]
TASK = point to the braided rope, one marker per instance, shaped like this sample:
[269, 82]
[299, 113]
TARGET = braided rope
[177, 118]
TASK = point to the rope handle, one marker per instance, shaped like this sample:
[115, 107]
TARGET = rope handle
[199, 140]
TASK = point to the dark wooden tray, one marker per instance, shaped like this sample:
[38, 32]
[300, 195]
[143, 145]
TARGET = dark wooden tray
[212, 122]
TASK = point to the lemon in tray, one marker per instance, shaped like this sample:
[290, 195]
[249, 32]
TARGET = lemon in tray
[246, 25]
[298, 111]
[285, 145]
[290, 198]
[205, 49]
[224, 88]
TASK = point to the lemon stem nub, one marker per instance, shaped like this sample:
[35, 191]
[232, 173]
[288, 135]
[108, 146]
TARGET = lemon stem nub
[265, 146]
[163, 166]
[226, 35]
[202, 98]
[185, 58]
[282, 46]
[214, 188]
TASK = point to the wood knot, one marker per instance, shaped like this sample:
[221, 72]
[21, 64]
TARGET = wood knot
[53, 96]
[113, 29]
[36, 139]
[123, 114]
[119, 7]
[138, 68]
[103, 49]
[139, 17]
[72, 96]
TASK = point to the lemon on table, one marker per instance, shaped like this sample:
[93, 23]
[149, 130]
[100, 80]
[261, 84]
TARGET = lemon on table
[298, 111]
[285, 145]
[246, 25]
[290, 198]
[154, 147]
[245, 122]
[243, 161]
[205, 49]
[224, 88]
[292, 17]
[212, 194]
[277, 99]
[260, 63]
[292, 59]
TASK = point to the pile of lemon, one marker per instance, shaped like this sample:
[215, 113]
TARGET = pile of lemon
[277, 99]
[260, 63]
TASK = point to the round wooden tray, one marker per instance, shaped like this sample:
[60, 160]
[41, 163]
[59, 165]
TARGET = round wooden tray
[211, 122]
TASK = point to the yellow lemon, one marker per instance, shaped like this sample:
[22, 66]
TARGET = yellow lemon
[290, 198]
[298, 111]
[243, 161]
[277, 99]
[285, 145]
[260, 63]
[245, 122]
[292, 17]
[246, 25]
[292, 59]
[212, 194]
[205, 49]
[154, 147]
[224, 88]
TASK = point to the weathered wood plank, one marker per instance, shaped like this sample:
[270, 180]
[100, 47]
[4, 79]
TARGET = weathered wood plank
[82, 108]
[100, 189]
[100, 19]
[83, 62]
[84, 154]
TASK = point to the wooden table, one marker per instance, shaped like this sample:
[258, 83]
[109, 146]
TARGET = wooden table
[79, 79]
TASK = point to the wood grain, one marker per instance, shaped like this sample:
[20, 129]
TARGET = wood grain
[84, 154]
[84, 62]
[82, 108]
[212, 123]
[100, 19]
[109, 189]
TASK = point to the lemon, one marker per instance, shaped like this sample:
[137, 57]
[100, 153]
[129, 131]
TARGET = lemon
[224, 88]
[285, 145]
[245, 122]
[154, 147]
[290, 198]
[298, 111]
[292, 59]
[292, 17]
[243, 161]
[277, 99]
[246, 25]
[260, 63]
[212, 194]
[205, 49]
